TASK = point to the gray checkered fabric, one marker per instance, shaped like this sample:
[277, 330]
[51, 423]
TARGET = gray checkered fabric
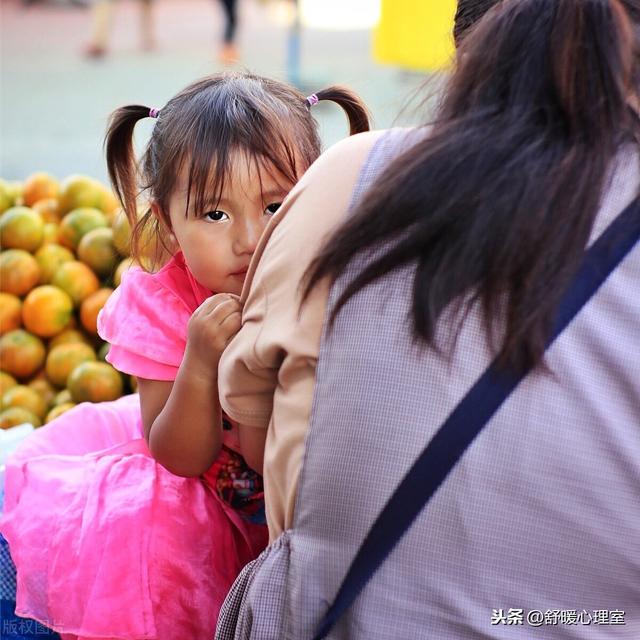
[7, 573]
[267, 575]
[542, 513]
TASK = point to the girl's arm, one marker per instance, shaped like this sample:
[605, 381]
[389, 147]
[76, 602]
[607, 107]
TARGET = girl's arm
[182, 419]
[182, 422]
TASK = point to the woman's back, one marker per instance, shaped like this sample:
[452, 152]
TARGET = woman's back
[540, 514]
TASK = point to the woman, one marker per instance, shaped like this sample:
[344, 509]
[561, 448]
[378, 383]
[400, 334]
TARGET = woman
[440, 252]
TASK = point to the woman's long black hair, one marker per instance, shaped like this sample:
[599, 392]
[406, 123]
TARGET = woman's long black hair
[497, 203]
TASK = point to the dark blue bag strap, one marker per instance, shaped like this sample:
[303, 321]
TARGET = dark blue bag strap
[469, 418]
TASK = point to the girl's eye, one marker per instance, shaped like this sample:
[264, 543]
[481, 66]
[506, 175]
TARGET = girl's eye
[215, 216]
[272, 208]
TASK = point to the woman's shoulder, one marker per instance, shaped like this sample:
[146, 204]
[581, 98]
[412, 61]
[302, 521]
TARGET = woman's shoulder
[361, 144]
[347, 151]
[341, 163]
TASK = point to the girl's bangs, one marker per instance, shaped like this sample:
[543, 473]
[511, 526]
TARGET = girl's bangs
[210, 166]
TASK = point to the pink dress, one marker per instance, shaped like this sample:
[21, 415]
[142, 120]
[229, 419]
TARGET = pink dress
[107, 542]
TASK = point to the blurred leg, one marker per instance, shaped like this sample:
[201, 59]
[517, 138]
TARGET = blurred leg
[231, 20]
[229, 51]
[146, 25]
[102, 15]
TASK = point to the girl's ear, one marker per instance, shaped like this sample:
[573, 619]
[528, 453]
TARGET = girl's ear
[161, 216]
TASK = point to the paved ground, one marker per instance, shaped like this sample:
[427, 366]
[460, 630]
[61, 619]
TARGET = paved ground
[54, 102]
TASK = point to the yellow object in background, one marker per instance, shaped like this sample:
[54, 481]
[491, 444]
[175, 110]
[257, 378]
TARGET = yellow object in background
[416, 34]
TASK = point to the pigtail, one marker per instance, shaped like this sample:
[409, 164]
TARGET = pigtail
[121, 162]
[356, 110]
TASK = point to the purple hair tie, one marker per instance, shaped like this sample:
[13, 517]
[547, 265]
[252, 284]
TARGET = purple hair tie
[313, 99]
[154, 113]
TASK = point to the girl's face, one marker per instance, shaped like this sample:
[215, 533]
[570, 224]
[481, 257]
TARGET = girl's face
[219, 241]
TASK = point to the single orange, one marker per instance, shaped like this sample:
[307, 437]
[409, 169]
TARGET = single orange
[49, 258]
[122, 234]
[6, 382]
[69, 336]
[13, 416]
[23, 396]
[19, 272]
[80, 191]
[46, 311]
[58, 411]
[76, 279]
[109, 204]
[44, 389]
[94, 382]
[64, 358]
[78, 222]
[21, 353]
[21, 228]
[96, 250]
[6, 197]
[39, 186]
[10, 312]
[90, 308]
[147, 241]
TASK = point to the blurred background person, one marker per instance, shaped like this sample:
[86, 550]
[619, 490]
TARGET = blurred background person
[102, 18]
[229, 50]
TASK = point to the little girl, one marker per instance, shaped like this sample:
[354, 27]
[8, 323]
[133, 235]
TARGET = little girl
[131, 519]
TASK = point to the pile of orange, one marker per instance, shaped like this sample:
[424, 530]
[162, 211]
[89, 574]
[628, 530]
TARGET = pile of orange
[64, 246]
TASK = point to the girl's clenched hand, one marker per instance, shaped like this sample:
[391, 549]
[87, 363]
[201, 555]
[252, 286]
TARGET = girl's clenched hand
[211, 327]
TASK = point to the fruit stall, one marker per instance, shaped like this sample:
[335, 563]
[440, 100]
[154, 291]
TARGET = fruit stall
[65, 245]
